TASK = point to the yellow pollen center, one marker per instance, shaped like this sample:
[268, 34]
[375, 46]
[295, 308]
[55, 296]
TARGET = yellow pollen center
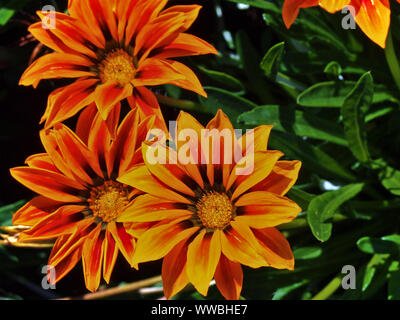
[108, 201]
[117, 65]
[215, 210]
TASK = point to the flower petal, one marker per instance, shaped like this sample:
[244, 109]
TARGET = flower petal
[154, 72]
[35, 210]
[291, 9]
[184, 45]
[159, 240]
[124, 241]
[55, 66]
[257, 167]
[202, 259]
[282, 177]
[141, 178]
[229, 278]
[49, 184]
[277, 250]
[174, 276]
[374, 19]
[261, 209]
[110, 256]
[108, 94]
[92, 258]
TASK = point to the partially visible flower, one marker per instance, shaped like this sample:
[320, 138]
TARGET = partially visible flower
[206, 220]
[372, 16]
[115, 49]
[80, 202]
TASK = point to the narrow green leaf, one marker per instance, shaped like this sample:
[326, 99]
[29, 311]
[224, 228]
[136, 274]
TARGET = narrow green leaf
[6, 212]
[372, 245]
[262, 4]
[394, 286]
[332, 94]
[306, 253]
[230, 103]
[302, 124]
[311, 156]
[323, 207]
[333, 69]
[354, 110]
[223, 78]
[270, 62]
[390, 179]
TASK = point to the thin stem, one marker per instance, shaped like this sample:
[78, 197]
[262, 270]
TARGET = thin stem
[329, 289]
[117, 290]
[181, 104]
[391, 59]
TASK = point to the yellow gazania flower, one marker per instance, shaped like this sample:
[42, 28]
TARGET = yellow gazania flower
[80, 203]
[115, 49]
[372, 16]
[205, 220]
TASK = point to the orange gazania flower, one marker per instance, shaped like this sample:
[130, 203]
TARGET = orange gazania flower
[205, 219]
[80, 202]
[115, 49]
[373, 17]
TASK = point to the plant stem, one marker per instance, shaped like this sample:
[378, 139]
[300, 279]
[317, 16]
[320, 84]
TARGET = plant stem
[391, 59]
[330, 289]
[181, 104]
[117, 290]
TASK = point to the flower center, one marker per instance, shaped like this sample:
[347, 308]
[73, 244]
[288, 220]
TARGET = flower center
[117, 65]
[215, 210]
[108, 201]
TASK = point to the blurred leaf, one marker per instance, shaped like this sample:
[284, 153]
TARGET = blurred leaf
[332, 94]
[384, 245]
[250, 60]
[8, 8]
[354, 110]
[230, 103]
[302, 124]
[271, 60]
[283, 292]
[224, 79]
[6, 212]
[394, 286]
[312, 157]
[323, 207]
[262, 4]
[306, 253]
[390, 179]
[334, 69]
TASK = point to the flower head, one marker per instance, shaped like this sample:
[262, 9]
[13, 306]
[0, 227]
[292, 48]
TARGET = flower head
[80, 201]
[210, 210]
[373, 17]
[114, 49]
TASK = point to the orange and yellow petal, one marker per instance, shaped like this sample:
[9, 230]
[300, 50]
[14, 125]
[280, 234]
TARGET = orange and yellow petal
[202, 259]
[174, 275]
[229, 278]
[262, 209]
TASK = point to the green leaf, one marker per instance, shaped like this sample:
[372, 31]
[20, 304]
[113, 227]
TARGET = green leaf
[284, 291]
[390, 179]
[354, 110]
[6, 212]
[312, 157]
[262, 4]
[333, 69]
[225, 79]
[332, 94]
[302, 124]
[230, 103]
[306, 253]
[323, 207]
[250, 60]
[5, 15]
[271, 60]
[372, 245]
[394, 286]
